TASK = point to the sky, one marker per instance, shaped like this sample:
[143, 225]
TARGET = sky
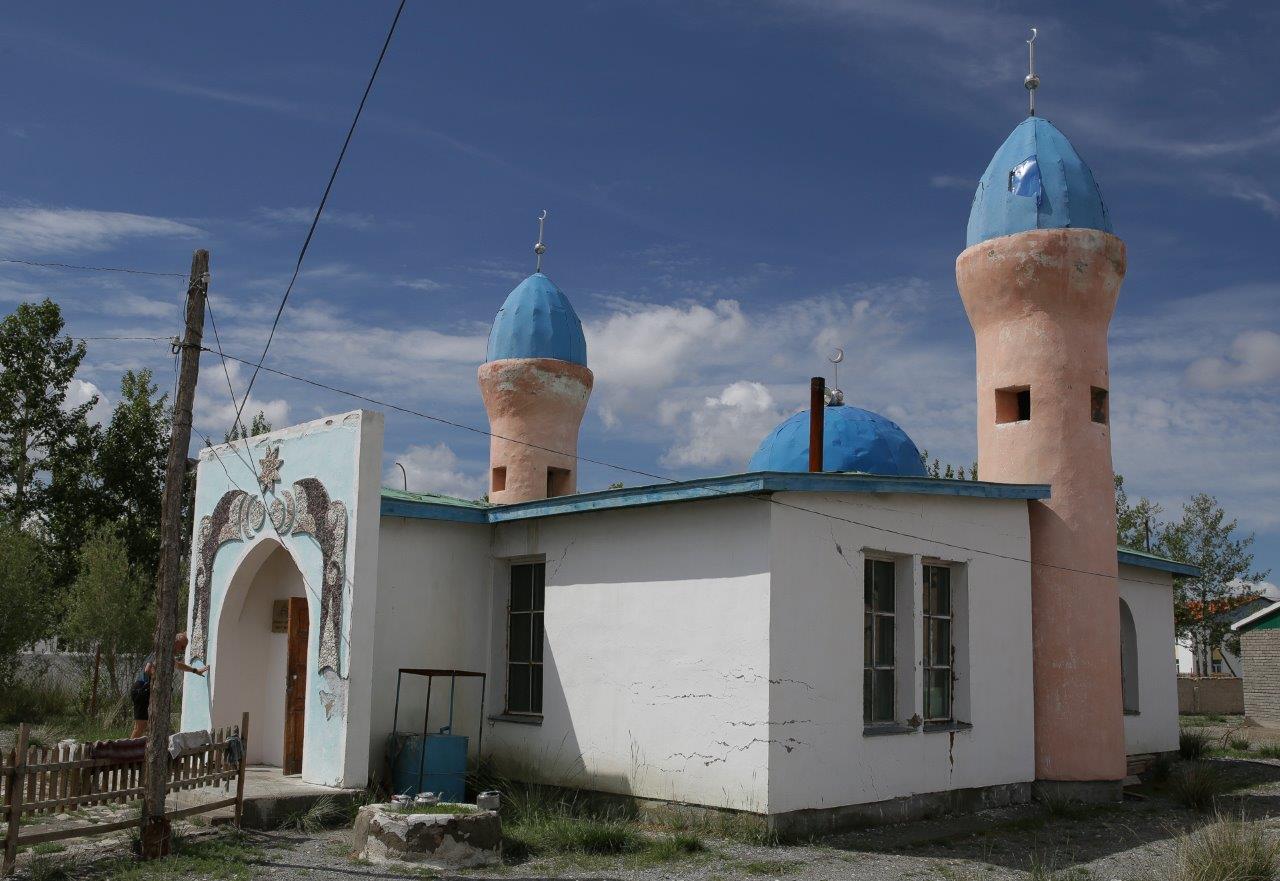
[733, 188]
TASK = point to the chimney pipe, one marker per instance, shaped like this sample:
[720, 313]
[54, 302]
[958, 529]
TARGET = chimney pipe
[817, 413]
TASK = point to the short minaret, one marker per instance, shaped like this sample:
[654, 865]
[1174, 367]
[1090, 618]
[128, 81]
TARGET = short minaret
[535, 384]
[1039, 280]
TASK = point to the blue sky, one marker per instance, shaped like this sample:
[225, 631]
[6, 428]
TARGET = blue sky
[733, 189]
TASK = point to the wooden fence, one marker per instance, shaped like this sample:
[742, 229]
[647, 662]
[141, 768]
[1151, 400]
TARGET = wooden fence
[39, 781]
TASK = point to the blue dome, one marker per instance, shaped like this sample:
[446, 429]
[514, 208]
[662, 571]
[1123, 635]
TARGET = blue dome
[1036, 180]
[537, 321]
[852, 440]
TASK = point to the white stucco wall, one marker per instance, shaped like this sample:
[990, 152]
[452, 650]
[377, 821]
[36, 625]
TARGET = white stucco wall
[433, 612]
[820, 756]
[656, 652]
[1149, 594]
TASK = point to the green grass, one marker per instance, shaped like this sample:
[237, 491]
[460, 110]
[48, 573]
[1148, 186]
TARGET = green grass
[1192, 745]
[768, 867]
[1197, 785]
[1239, 743]
[1229, 849]
[226, 858]
[46, 847]
[1268, 751]
[325, 812]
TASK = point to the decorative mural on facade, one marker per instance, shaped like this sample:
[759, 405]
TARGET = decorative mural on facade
[305, 510]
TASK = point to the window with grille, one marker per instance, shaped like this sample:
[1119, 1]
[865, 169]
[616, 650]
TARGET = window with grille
[524, 638]
[938, 654]
[878, 631]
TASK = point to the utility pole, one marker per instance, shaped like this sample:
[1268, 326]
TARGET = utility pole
[155, 826]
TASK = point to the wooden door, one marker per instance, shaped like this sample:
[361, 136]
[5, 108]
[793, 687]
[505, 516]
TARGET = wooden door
[295, 686]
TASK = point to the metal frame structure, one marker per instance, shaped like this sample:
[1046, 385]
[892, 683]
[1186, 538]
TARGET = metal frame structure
[431, 674]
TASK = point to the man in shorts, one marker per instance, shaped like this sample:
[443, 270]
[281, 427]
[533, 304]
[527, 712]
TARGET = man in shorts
[140, 693]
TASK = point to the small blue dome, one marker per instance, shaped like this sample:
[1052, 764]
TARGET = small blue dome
[852, 440]
[537, 321]
[1036, 180]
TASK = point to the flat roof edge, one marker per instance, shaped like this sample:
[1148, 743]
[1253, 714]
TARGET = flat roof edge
[1144, 561]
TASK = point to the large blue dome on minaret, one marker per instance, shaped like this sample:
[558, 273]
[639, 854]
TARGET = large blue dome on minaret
[1036, 180]
[537, 321]
[853, 439]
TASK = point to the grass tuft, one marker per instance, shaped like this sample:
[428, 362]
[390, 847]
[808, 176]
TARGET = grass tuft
[1228, 849]
[1192, 745]
[1269, 751]
[1239, 743]
[324, 813]
[44, 869]
[1197, 785]
[442, 808]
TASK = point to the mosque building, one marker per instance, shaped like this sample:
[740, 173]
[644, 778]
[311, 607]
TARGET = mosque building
[820, 646]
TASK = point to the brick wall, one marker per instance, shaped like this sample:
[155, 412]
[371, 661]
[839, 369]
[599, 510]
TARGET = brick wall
[1261, 657]
[1222, 695]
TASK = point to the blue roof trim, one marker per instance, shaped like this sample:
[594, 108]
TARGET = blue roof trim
[711, 487]
[393, 507]
[1151, 561]
[1036, 180]
[537, 321]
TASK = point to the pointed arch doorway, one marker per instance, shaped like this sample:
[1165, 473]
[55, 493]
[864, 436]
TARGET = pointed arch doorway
[261, 664]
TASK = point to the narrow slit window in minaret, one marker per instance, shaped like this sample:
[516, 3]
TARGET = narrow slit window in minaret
[499, 482]
[1013, 404]
[1098, 408]
[557, 482]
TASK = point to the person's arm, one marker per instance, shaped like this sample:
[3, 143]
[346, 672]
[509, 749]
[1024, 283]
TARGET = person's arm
[199, 671]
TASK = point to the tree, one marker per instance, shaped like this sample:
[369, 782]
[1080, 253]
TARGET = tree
[36, 366]
[74, 502]
[258, 426]
[131, 462]
[109, 609]
[1205, 538]
[1136, 522]
[935, 468]
[27, 612]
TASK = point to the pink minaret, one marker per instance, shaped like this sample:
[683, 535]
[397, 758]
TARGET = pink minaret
[535, 384]
[1039, 280]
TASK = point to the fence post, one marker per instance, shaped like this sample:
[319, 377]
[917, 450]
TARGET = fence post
[14, 786]
[244, 760]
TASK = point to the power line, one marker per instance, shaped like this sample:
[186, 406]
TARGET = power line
[320, 208]
[666, 479]
[92, 268]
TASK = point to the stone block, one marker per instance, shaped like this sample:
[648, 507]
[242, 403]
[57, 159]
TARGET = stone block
[466, 839]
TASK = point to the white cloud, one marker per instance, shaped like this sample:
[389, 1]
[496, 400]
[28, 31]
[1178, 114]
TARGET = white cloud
[1254, 357]
[952, 182]
[215, 414]
[724, 430]
[418, 284]
[28, 230]
[80, 392]
[434, 468]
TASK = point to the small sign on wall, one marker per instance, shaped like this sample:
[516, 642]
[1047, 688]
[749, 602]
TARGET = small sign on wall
[280, 616]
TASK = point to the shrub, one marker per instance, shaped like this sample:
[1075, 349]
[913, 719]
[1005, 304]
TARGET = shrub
[1239, 743]
[1228, 849]
[1160, 769]
[1269, 751]
[1197, 784]
[1192, 744]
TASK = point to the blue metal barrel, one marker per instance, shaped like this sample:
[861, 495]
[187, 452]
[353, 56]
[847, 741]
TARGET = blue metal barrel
[442, 770]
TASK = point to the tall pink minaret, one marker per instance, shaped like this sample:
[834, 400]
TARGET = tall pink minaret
[1039, 280]
[535, 384]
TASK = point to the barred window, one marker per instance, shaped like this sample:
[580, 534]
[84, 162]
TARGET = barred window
[878, 632]
[938, 654]
[524, 638]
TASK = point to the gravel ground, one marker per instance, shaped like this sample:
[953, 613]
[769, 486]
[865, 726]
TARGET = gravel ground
[1132, 841]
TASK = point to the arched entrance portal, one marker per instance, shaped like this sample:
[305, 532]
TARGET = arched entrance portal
[261, 662]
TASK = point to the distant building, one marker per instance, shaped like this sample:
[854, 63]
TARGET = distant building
[1260, 650]
[1219, 660]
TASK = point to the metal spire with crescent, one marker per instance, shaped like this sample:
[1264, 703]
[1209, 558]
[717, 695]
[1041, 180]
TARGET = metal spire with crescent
[540, 248]
[1032, 82]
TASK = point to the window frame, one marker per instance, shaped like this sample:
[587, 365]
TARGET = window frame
[927, 655]
[536, 637]
[870, 665]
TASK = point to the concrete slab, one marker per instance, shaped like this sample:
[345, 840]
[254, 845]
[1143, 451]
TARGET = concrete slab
[270, 798]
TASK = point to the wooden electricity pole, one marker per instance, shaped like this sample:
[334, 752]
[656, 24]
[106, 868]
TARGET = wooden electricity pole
[155, 826]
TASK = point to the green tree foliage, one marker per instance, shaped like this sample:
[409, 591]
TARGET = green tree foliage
[36, 366]
[1132, 520]
[259, 425]
[1204, 537]
[26, 608]
[935, 468]
[131, 462]
[109, 608]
